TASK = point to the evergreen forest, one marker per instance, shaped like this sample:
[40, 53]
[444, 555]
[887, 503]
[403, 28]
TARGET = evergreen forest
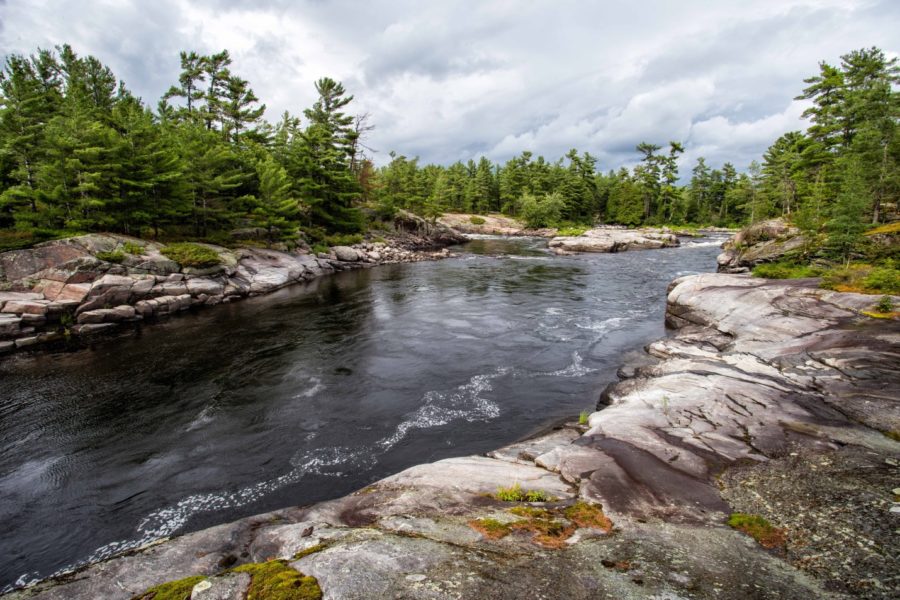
[79, 152]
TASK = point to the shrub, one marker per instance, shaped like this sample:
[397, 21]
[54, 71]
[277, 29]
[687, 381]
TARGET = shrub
[476, 220]
[885, 305]
[114, 256]
[346, 239]
[133, 248]
[320, 248]
[583, 417]
[882, 279]
[187, 254]
[783, 270]
[543, 211]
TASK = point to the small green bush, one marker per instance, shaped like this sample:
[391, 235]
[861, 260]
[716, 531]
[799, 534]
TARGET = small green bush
[476, 220]
[187, 254]
[785, 271]
[583, 417]
[133, 248]
[320, 248]
[347, 239]
[885, 305]
[114, 256]
[882, 279]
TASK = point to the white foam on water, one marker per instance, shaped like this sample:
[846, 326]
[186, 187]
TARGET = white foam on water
[576, 369]
[464, 402]
[441, 408]
[702, 244]
[316, 387]
[203, 418]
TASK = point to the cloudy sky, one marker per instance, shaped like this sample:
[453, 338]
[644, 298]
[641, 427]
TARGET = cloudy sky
[455, 80]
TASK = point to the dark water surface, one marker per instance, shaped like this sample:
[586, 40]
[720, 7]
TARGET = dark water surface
[311, 392]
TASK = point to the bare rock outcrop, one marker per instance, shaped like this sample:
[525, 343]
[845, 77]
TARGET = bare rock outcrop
[614, 239]
[756, 373]
[86, 284]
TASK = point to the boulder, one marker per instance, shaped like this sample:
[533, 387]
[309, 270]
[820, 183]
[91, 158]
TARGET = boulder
[345, 253]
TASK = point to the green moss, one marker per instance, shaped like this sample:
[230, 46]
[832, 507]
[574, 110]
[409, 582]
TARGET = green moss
[476, 220]
[114, 256]
[172, 590]
[517, 494]
[490, 528]
[588, 515]
[310, 550]
[759, 529]
[275, 580]
[187, 254]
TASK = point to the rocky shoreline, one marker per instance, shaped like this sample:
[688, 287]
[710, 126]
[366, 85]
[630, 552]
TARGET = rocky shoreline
[772, 398]
[74, 288]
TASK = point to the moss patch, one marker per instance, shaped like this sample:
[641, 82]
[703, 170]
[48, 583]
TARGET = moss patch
[759, 529]
[310, 550]
[476, 220]
[588, 515]
[172, 590]
[187, 254]
[490, 528]
[275, 580]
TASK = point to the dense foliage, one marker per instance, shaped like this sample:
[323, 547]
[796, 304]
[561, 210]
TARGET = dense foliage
[78, 152]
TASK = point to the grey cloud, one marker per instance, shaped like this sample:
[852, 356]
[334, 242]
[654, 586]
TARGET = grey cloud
[455, 80]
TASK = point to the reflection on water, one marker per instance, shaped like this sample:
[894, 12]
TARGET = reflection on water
[310, 393]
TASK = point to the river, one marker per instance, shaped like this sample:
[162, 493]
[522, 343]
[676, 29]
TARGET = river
[311, 392]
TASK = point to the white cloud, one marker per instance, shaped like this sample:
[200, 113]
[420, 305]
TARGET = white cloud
[454, 80]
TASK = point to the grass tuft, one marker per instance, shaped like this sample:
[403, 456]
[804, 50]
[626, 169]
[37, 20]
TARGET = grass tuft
[515, 493]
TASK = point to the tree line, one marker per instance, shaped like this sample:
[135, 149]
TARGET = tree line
[79, 152]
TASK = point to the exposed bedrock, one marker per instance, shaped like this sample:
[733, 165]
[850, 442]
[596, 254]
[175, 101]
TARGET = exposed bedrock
[759, 381]
[81, 285]
[614, 239]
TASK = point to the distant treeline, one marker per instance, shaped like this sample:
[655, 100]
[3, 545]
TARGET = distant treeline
[79, 152]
